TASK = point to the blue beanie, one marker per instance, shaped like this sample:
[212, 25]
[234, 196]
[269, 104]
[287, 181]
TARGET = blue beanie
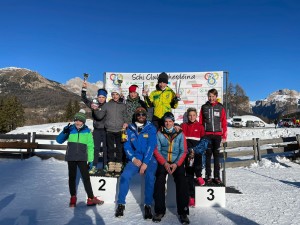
[102, 92]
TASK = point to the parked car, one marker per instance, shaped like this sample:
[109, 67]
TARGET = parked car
[241, 121]
[287, 122]
[258, 123]
[249, 123]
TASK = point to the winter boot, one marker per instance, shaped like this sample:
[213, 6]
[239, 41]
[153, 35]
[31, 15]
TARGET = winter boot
[184, 219]
[73, 201]
[200, 181]
[148, 212]
[110, 169]
[94, 201]
[157, 217]
[118, 167]
[111, 166]
[120, 210]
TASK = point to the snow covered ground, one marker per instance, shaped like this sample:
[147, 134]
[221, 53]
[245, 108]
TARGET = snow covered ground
[35, 191]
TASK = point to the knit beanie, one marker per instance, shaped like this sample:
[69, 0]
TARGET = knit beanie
[133, 88]
[163, 77]
[140, 110]
[168, 115]
[102, 92]
[80, 116]
[116, 91]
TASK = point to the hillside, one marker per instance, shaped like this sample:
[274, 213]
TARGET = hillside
[41, 98]
[277, 104]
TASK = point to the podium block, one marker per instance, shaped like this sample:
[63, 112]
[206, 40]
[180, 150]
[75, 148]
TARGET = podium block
[209, 196]
[105, 187]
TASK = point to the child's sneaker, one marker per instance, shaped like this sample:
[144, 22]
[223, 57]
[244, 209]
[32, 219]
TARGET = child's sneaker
[73, 201]
[192, 202]
[93, 170]
[200, 181]
[217, 180]
[209, 180]
[94, 201]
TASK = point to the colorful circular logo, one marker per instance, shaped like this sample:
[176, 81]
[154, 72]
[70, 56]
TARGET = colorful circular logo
[211, 78]
[117, 79]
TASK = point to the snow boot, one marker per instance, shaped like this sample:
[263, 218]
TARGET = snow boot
[200, 181]
[111, 166]
[148, 212]
[94, 201]
[118, 167]
[157, 217]
[184, 219]
[73, 201]
[120, 210]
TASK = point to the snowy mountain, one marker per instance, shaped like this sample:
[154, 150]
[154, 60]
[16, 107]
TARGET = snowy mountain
[278, 103]
[41, 98]
[74, 85]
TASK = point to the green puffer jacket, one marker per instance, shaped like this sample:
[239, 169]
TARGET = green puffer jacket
[80, 144]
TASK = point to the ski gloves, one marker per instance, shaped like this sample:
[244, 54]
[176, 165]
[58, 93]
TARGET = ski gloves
[202, 146]
[67, 129]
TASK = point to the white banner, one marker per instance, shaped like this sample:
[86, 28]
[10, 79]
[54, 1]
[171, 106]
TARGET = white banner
[193, 86]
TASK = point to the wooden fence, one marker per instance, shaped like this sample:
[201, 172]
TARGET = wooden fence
[279, 145]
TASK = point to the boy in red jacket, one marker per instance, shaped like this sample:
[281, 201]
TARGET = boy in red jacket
[193, 132]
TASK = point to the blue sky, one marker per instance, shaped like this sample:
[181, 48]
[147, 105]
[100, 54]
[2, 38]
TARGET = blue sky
[256, 41]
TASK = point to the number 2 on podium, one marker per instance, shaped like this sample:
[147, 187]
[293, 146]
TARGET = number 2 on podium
[102, 184]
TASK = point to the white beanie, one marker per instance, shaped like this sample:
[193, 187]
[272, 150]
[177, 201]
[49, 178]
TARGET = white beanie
[116, 91]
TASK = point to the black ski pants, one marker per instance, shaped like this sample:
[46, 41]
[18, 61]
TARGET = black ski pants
[99, 136]
[72, 165]
[213, 149]
[114, 147]
[182, 195]
[191, 171]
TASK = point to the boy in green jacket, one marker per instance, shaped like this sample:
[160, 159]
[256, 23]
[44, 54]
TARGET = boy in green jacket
[80, 150]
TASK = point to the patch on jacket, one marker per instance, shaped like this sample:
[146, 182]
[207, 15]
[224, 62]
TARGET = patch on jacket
[145, 135]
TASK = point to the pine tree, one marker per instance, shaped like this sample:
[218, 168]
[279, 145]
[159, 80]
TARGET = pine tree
[69, 111]
[12, 114]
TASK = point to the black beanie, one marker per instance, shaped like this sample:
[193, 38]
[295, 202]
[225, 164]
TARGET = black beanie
[163, 77]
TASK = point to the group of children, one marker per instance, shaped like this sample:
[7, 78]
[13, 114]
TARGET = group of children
[110, 118]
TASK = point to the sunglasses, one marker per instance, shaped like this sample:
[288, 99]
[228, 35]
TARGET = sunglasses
[141, 114]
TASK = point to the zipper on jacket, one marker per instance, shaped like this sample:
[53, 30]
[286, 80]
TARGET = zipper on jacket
[212, 119]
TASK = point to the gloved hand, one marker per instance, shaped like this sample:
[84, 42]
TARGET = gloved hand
[67, 128]
[90, 164]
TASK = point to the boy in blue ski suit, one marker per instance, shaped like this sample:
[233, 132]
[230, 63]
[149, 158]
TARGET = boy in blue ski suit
[139, 149]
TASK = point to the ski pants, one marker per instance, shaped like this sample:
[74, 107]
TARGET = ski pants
[195, 169]
[129, 171]
[213, 149]
[114, 147]
[99, 136]
[72, 165]
[182, 195]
